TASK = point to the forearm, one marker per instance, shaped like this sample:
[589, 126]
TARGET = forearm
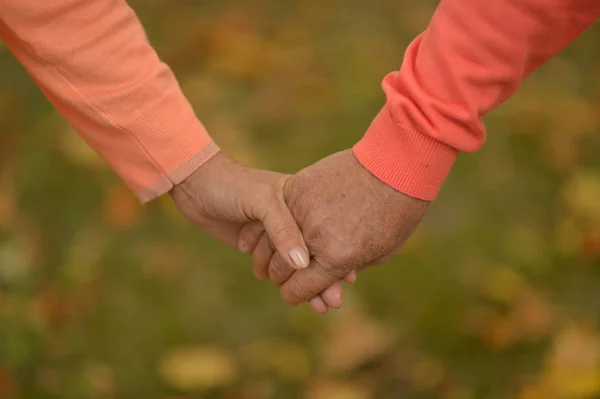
[92, 60]
[472, 57]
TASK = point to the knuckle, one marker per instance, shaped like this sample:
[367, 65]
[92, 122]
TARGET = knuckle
[335, 271]
[340, 255]
[279, 271]
[295, 293]
[283, 231]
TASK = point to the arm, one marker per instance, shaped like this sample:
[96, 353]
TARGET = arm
[472, 57]
[93, 62]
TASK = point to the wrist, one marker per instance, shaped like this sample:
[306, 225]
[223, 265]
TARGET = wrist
[405, 159]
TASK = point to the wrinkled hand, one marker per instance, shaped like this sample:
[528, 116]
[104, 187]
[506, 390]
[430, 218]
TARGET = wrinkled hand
[223, 195]
[350, 220]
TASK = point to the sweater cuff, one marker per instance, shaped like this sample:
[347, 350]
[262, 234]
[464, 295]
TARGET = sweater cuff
[167, 183]
[405, 159]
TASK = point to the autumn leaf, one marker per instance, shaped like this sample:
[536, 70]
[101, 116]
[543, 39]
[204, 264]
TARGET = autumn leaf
[288, 360]
[354, 339]
[193, 369]
[334, 389]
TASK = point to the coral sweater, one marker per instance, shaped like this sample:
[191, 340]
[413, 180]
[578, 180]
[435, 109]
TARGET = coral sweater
[92, 60]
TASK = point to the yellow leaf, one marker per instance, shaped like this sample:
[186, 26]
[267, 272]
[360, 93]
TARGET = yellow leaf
[289, 360]
[331, 389]
[569, 384]
[198, 368]
[575, 348]
[353, 340]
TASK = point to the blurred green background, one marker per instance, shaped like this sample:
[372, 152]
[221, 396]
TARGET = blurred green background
[496, 296]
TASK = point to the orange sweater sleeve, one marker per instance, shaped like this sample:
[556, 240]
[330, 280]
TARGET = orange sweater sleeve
[472, 57]
[92, 60]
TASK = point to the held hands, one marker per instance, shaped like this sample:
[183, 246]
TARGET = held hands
[222, 196]
[345, 216]
[350, 220]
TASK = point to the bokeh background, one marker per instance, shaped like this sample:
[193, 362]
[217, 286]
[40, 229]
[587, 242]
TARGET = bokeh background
[497, 295]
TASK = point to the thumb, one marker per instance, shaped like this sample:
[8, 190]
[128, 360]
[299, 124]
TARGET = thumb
[286, 236]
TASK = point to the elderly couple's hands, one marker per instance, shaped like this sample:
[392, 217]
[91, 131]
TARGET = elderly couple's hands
[222, 196]
[347, 217]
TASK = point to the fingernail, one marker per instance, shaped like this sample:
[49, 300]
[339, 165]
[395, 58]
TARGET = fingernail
[243, 246]
[299, 257]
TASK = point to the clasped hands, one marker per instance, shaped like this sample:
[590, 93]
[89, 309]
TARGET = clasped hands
[306, 232]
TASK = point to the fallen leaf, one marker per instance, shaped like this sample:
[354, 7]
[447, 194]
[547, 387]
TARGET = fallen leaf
[290, 361]
[332, 389]
[575, 347]
[198, 368]
[355, 339]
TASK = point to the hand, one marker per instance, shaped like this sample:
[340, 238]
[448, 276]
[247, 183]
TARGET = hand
[223, 195]
[350, 220]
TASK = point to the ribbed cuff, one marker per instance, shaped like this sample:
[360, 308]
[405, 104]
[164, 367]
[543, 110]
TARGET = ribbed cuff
[180, 174]
[407, 160]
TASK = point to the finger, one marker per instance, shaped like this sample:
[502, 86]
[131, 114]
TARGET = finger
[333, 295]
[286, 236]
[279, 270]
[226, 233]
[307, 283]
[249, 236]
[261, 257]
[350, 278]
[318, 304]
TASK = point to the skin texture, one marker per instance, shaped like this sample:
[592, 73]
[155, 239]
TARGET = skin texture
[350, 220]
[223, 196]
